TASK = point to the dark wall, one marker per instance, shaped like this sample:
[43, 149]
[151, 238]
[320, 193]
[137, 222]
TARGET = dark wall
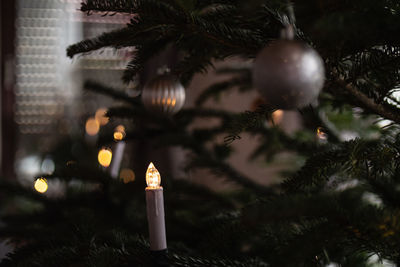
[8, 127]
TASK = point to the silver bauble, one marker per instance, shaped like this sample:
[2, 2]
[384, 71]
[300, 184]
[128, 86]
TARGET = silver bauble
[163, 95]
[288, 74]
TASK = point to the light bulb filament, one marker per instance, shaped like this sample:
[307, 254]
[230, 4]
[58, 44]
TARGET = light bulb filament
[153, 178]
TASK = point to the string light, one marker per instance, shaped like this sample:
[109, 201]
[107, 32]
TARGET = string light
[321, 135]
[104, 157]
[119, 133]
[127, 175]
[153, 178]
[277, 116]
[92, 126]
[41, 185]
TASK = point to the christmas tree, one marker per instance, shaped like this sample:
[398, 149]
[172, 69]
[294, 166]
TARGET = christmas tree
[341, 207]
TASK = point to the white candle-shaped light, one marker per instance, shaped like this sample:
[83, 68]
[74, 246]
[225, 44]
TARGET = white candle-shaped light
[119, 135]
[155, 209]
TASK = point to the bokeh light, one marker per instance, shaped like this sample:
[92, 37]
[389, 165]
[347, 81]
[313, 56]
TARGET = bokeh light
[277, 116]
[127, 175]
[119, 133]
[48, 166]
[101, 116]
[41, 185]
[104, 157]
[92, 126]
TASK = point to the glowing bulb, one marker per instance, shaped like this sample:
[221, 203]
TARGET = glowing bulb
[101, 116]
[41, 185]
[321, 135]
[119, 133]
[104, 157]
[127, 176]
[153, 178]
[92, 126]
[277, 116]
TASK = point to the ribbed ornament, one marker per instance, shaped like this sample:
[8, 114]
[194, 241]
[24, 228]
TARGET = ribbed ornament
[163, 95]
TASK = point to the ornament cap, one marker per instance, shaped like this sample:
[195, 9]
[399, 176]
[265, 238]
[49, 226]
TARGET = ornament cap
[163, 70]
[288, 32]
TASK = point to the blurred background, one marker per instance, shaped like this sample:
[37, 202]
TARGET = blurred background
[41, 97]
[44, 109]
[42, 100]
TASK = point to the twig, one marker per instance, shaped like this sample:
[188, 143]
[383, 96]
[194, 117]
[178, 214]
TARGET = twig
[233, 175]
[369, 103]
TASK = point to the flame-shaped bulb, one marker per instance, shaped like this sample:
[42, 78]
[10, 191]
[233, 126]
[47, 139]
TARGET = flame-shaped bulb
[153, 178]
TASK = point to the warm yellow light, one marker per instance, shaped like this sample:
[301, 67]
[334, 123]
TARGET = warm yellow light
[153, 178]
[118, 136]
[101, 116]
[41, 185]
[127, 175]
[92, 126]
[277, 116]
[104, 157]
[119, 133]
[321, 134]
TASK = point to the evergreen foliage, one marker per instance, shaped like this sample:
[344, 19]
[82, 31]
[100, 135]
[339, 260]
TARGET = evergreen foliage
[342, 206]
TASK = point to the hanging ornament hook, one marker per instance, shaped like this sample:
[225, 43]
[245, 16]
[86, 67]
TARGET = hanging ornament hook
[163, 70]
[289, 20]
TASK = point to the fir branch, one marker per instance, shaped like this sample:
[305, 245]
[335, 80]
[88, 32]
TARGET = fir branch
[188, 113]
[274, 140]
[164, 8]
[219, 12]
[221, 168]
[217, 89]
[142, 55]
[373, 60]
[182, 261]
[8, 188]
[246, 121]
[192, 64]
[237, 39]
[350, 157]
[117, 38]
[386, 111]
[319, 167]
[120, 6]
[111, 92]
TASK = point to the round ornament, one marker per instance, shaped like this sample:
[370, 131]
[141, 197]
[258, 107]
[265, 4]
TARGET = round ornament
[289, 74]
[164, 95]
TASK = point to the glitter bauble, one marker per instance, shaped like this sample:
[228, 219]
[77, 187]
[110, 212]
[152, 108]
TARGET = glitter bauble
[163, 95]
[288, 74]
